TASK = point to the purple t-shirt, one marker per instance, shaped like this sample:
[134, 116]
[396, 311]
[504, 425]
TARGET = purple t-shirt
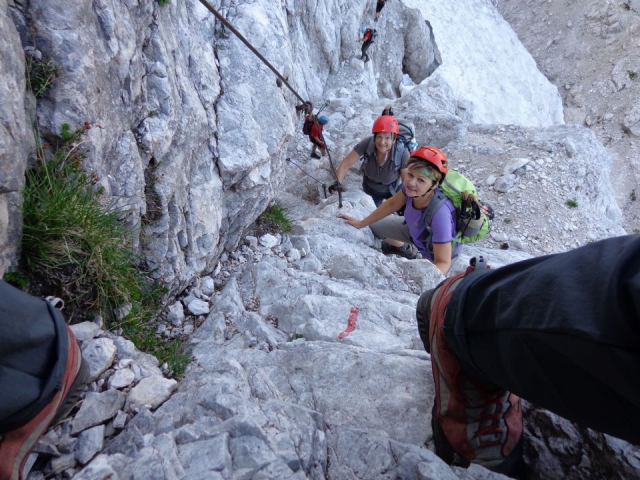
[443, 226]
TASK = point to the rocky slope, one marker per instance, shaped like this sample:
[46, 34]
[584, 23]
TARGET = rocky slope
[589, 50]
[195, 136]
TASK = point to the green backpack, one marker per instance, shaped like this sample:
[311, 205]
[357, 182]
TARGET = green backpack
[471, 223]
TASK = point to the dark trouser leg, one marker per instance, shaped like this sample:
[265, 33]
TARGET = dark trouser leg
[365, 47]
[561, 331]
[377, 197]
[33, 345]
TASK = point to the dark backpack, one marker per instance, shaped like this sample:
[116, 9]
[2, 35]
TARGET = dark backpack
[308, 123]
[407, 135]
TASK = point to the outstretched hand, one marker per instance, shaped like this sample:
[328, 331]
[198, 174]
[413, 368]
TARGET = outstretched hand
[354, 222]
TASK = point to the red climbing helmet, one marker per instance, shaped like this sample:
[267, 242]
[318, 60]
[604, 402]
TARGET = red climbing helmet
[433, 156]
[386, 123]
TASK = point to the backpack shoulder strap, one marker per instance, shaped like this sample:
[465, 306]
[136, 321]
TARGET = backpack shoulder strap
[450, 186]
[427, 214]
[398, 154]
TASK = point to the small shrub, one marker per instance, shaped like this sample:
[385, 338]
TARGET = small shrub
[164, 3]
[73, 239]
[276, 215]
[41, 74]
[632, 195]
[572, 203]
[507, 220]
[16, 279]
[632, 74]
[75, 243]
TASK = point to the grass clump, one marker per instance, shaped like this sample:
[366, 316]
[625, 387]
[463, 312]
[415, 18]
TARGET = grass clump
[76, 244]
[70, 237]
[164, 3]
[16, 279]
[572, 203]
[276, 215]
[41, 74]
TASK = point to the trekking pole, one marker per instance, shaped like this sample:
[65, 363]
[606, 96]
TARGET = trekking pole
[333, 170]
[324, 186]
[326, 147]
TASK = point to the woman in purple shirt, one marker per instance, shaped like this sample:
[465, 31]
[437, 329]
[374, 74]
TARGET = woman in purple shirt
[427, 168]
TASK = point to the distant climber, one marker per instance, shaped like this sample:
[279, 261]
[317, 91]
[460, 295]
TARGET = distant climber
[313, 126]
[383, 162]
[368, 37]
[379, 7]
[427, 168]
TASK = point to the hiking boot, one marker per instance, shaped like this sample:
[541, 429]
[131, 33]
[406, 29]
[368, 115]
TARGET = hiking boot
[16, 445]
[406, 250]
[471, 421]
[315, 155]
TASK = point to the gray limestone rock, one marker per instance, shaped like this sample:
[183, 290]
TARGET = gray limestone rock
[85, 331]
[151, 391]
[89, 443]
[176, 314]
[99, 355]
[97, 408]
[198, 307]
[121, 378]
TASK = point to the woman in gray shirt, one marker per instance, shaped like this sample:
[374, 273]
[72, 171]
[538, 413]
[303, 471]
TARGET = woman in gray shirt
[384, 162]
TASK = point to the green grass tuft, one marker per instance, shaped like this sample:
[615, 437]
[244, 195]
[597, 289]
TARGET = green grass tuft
[277, 214]
[572, 203]
[16, 279]
[40, 75]
[76, 242]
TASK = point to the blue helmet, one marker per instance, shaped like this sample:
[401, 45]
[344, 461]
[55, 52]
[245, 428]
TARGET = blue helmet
[323, 120]
[363, 29]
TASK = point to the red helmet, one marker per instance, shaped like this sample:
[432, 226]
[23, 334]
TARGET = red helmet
[386, 123]
[432, 155]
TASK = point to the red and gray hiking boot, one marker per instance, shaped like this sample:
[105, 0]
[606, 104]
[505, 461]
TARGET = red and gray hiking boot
[471, 421]
[17, 444]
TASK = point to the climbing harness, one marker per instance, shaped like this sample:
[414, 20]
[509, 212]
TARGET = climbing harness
[305, 104]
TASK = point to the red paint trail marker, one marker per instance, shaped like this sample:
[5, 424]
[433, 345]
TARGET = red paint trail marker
[351, 323]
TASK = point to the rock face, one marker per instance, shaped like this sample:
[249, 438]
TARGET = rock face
[280, 387]
[306, 358]
[15, 139]
[190, 130]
